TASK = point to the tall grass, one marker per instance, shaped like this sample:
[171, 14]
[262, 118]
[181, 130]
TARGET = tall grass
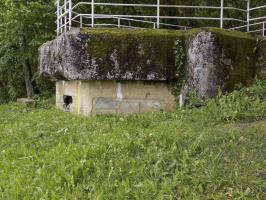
[213, 152]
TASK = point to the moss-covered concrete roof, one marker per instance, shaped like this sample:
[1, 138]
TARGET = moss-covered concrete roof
[134, 54]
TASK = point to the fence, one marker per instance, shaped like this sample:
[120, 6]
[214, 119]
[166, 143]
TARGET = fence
[85, 14]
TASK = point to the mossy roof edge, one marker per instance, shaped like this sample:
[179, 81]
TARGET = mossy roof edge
[221, 32]
[189, 33]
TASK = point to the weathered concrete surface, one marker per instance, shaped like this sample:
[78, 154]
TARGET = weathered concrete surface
[111, 97]
[218, 59]
[202, 68]
[89, 65]
[110, 55]
[127, 106]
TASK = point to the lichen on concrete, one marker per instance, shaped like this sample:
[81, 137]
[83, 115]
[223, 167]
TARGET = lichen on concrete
[113, 54]
[215, 58]
[201, 66]
[218, 60]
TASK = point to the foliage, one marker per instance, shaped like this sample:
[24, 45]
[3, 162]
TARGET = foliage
[248, 103]
[179, 57]
[179, 54]
[214, 152]
[141, 53]
[33, 21]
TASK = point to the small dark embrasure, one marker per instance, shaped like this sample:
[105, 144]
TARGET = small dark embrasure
[68, 100]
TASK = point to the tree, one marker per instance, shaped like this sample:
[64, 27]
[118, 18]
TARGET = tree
[25, 25]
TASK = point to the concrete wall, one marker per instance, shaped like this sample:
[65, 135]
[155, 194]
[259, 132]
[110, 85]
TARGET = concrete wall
[112, 97]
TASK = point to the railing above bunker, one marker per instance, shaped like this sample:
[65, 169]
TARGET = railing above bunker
[73, 13]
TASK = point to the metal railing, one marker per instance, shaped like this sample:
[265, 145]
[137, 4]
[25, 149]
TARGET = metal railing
[87, 14]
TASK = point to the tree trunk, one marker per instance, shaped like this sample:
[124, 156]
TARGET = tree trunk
[25, 61]
[28, 79]
[26, 69]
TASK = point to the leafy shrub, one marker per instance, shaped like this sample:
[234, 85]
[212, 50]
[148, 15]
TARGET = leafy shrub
[244, 104]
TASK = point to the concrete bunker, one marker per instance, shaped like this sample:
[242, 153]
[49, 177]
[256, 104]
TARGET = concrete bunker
[125, 71]
[114, 97]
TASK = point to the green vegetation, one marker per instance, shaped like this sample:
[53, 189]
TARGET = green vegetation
[180, 56]
[24, 26]
[214, 152]
[222, 32]
[217, 151]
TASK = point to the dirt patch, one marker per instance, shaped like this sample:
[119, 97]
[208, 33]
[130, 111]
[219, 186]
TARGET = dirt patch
[247, 124]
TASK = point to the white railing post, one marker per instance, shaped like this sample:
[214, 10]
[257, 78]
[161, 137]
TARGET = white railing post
[222, 14]
[92, 13]
[263, 29]
[248, 15]
[65, 10]
[118, 22]
[158, 13]
[80, 21]
[58, 16]
[70, 14]
[61, 19]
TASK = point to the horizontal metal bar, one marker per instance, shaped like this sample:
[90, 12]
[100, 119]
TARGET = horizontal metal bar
[105, 24]
[255, 31]
[115, 25]
[254, 24]
[63, 26]
[238, 27]
[257, 8]
[127, 19]
[258, 18]
[161, 6]
[167, 17]
[63, 14]
[259, 23]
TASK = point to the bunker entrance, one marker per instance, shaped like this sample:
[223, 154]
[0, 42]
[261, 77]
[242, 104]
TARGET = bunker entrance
[68, 100]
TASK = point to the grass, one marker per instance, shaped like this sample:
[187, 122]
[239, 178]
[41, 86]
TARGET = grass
[214, 152]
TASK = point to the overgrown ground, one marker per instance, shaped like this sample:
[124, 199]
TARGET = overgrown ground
[214, 152]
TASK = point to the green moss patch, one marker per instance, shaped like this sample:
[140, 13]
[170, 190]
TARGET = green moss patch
[141, 54]
[218, 31]
[149, 53]
[240, 49]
